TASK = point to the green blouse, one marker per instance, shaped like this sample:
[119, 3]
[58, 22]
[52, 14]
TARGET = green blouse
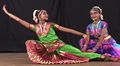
[50, 37]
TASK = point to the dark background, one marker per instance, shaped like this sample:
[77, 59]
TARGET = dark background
[69, 13]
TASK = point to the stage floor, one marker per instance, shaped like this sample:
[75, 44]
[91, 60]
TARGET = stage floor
[21, 59]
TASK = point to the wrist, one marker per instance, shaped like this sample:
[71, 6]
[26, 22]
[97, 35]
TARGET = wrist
[83, 34]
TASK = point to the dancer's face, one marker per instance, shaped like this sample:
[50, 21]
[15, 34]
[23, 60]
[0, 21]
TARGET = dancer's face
[44, 15]
[95, 15]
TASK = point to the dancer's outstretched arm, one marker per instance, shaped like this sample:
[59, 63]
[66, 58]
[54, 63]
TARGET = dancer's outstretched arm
[23, 22]
[68, 30]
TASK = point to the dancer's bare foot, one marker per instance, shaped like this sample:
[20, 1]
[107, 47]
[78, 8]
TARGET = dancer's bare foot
[114, 59]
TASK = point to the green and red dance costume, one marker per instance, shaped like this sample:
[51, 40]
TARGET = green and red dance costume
[51, 50]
